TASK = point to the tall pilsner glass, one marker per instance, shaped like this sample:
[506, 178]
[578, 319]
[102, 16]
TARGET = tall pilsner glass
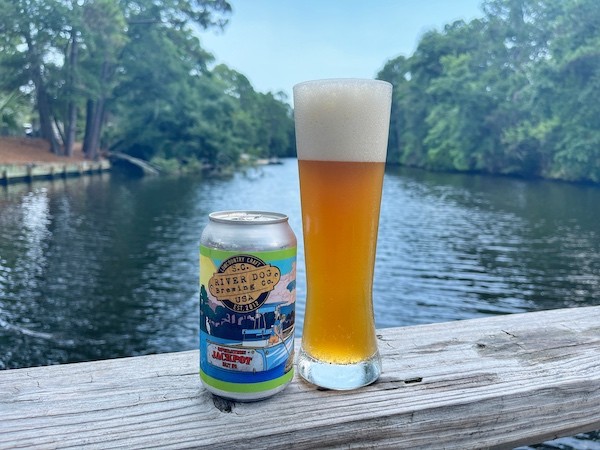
[341, 134]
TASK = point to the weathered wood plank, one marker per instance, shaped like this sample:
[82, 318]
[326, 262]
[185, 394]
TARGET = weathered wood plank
[493, 382]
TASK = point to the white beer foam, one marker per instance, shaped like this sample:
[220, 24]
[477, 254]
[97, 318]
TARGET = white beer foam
[342, 119]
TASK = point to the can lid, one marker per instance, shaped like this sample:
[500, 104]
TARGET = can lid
[247, 217]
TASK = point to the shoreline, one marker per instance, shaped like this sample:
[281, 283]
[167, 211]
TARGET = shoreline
[19, 150]
[25, 159]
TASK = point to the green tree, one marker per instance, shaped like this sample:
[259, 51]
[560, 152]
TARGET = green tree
[569, 97]
[275, 125]
[177, 112]
[72, 50]
[515, 92]
[30, 34]
[521, 31]
[14, 112]
[185, 112]
[262, 122]
[104, 36]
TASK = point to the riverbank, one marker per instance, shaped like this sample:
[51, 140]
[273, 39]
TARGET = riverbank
[24, 150]
[23, 158]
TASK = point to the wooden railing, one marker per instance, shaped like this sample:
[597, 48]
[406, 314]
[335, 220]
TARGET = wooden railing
[493, 382]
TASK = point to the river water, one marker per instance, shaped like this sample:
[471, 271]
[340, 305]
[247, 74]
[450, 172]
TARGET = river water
[105, 266]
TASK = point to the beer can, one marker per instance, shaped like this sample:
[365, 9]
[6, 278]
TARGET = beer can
[247, 304]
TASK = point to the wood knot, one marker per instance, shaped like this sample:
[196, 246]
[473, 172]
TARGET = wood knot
[223, 404]
[413, 380]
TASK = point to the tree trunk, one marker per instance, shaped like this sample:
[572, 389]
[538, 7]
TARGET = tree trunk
[398, 131]
[90, 108]
[71, 125]
[42, 100]
[71, 129]
[97, 128]
[93, 127]
[60, 133]
[46, 128]
[95, 117]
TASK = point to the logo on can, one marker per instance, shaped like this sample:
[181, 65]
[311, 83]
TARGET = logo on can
[243, 282]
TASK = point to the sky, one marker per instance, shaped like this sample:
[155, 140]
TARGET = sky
[278, 43]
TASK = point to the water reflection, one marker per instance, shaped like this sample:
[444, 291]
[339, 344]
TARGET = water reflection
[465, 246]
[101, 267]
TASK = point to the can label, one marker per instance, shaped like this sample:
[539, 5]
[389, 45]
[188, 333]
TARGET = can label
[247, 315]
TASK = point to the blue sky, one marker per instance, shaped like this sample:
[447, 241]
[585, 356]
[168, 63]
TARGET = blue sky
[278, 43]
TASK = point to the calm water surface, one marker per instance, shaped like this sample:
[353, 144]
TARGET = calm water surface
[104, 266]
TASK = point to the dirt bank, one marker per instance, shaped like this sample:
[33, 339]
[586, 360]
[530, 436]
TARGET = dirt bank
[22, 150]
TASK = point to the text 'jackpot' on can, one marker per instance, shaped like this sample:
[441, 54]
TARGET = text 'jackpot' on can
[247, 304]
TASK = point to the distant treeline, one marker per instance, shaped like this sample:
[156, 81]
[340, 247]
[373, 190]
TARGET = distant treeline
[516, 92]
[132, 76]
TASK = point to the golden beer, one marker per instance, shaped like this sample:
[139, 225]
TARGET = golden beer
[340, 209]
[341, 135]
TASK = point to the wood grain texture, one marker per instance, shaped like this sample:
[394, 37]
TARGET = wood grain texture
[483, 383]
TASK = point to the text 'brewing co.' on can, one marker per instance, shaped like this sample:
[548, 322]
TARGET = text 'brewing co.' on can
[247, 304]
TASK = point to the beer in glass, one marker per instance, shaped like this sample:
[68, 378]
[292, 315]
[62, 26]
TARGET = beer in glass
[341, 134]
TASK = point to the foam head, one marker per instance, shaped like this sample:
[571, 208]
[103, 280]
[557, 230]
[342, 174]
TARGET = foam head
[342, 119]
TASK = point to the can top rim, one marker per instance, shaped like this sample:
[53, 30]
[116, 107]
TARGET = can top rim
[241, 217]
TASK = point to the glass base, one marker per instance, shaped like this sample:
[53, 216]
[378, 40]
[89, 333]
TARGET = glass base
[340, 377]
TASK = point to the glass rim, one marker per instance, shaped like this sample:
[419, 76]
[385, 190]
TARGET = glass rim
[350, 80]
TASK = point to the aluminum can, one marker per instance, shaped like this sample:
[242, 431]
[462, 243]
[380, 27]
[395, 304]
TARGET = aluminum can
[247, 304]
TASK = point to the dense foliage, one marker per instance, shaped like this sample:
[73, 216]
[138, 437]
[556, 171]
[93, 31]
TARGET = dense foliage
[516, 92]
[131, 75]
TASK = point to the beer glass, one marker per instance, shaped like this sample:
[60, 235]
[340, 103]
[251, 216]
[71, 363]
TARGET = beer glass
[341, 135]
